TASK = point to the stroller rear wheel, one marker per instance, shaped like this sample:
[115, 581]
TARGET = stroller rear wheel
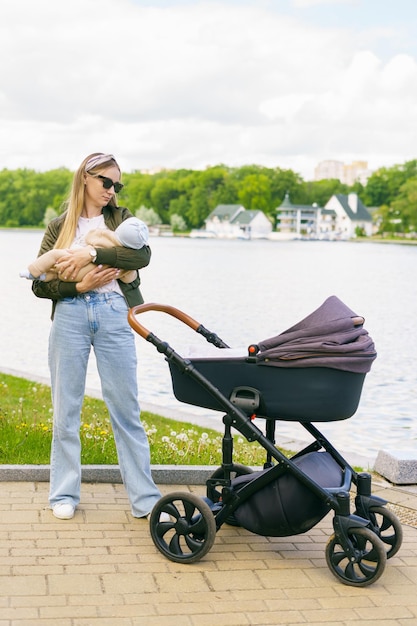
[388, 528]
[368, 562]
[191, 532]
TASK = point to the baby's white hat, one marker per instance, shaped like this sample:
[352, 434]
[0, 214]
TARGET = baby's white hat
[132, 233]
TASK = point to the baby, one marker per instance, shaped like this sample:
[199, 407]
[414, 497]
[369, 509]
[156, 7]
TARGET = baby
[132, 233]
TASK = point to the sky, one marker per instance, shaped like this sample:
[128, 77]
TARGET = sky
[191, 84]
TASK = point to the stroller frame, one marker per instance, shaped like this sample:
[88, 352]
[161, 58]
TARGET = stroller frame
[362, 541]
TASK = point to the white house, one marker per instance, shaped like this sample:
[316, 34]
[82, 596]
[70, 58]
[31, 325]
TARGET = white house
[340, 218]
[233, 221]
[345, 215]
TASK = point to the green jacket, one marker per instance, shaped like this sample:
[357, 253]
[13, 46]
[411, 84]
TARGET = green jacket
[117, 256]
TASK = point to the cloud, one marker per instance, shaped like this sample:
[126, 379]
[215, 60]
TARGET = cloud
[188, 85]
[303, 4]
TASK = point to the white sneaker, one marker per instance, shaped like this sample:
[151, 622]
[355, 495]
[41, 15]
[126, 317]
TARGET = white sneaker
[63, 510]
[163, 517]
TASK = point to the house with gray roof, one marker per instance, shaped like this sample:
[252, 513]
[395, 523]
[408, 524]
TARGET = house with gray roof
[341, 218]
[297, 220]
[345, 216]
[233, 221]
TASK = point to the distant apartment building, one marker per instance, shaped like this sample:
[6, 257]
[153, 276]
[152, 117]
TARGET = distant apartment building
[329, 169]
[348, 174]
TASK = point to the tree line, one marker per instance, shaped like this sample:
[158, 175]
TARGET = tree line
[186, 196]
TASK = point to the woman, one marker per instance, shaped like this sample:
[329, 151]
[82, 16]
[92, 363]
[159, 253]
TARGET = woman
[93, 312]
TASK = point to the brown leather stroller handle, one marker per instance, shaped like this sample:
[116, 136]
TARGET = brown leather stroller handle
[164, 308]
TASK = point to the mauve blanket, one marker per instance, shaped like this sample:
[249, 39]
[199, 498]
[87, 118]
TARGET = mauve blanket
[332, 336]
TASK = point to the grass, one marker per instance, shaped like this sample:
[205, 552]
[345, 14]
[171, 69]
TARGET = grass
[26, 432]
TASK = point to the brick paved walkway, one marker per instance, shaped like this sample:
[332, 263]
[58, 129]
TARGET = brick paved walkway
[102, 569]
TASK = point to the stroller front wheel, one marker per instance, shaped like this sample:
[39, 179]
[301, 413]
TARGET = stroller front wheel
[191, 531]
[237, 470]
[368, 563]
[388, 528]
[215, 495]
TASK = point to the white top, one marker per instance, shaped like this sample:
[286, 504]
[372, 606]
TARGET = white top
[83, 227]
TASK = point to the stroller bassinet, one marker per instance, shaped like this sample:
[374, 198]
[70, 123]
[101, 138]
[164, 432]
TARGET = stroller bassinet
[300, 394]
[313, 372]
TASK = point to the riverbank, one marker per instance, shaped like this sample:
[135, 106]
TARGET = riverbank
[179, 235]
[106, 473]
[26, 426]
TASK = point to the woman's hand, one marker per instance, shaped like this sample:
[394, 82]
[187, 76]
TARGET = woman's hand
[70, 263]
[98, 277]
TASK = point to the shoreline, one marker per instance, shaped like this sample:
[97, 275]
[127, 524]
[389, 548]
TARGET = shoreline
[214, 423]
[384, 240]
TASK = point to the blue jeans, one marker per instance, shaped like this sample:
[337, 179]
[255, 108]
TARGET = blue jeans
[98, 320]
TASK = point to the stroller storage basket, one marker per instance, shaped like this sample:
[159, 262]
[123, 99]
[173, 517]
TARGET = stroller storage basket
[285, 506]
[311, 394]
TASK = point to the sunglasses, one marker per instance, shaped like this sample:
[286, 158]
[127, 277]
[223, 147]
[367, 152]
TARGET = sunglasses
[108, 183]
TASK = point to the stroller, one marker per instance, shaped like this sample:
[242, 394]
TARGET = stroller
[313, 372]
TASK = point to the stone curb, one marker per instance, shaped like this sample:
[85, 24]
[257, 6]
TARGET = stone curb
[397, 466]
[162, 474]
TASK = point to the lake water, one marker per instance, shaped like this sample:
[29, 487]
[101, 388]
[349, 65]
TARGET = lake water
[246, 291]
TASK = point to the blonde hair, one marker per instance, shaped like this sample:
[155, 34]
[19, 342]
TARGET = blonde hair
[75, 202]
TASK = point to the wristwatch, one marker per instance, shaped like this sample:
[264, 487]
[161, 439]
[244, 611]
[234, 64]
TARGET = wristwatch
[93, 253]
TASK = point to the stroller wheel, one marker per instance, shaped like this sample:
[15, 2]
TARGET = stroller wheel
[367, 564]
[388, 528]
[191, 532]
[214, 495]
[237, 470]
